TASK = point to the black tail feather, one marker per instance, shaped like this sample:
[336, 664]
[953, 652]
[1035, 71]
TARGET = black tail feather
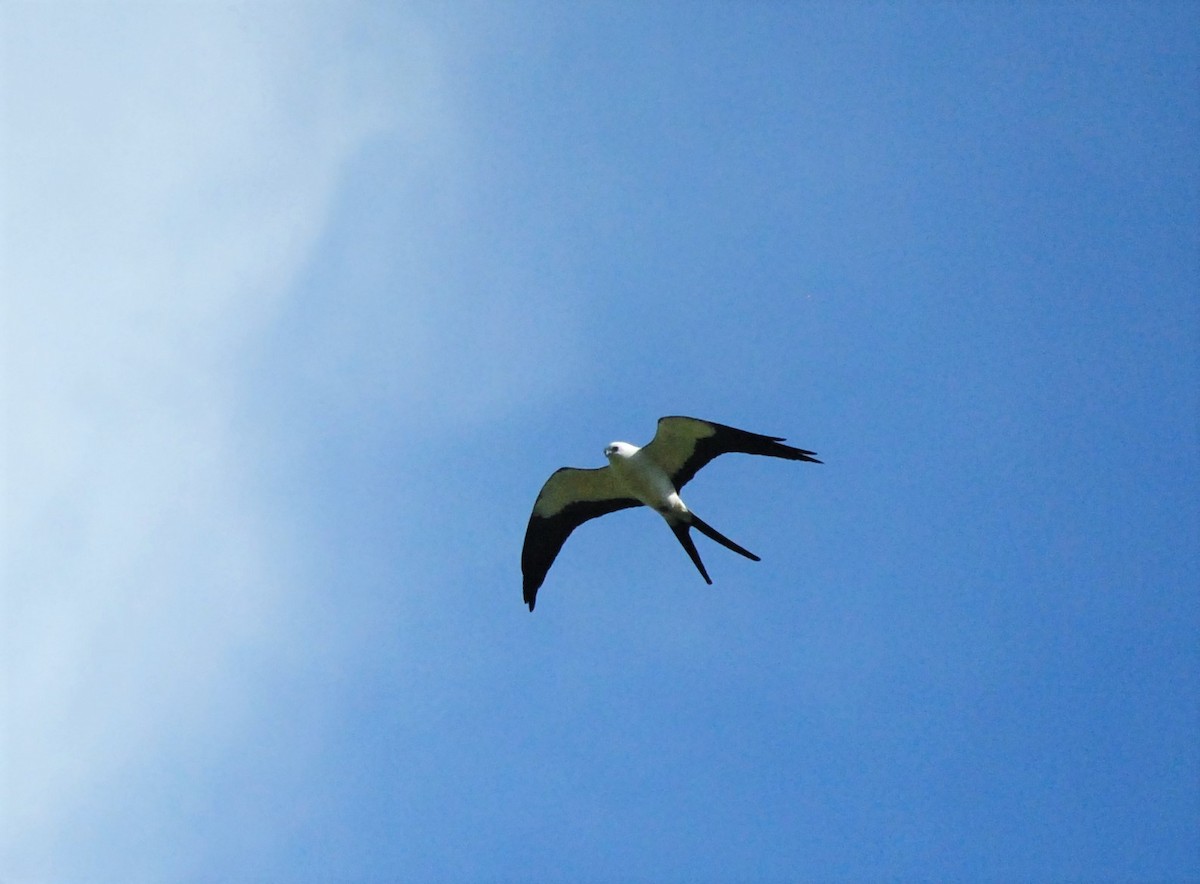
[709, 531]
[685, 539]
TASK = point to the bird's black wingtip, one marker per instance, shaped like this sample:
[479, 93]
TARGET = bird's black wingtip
[787, 452]
[802, 454]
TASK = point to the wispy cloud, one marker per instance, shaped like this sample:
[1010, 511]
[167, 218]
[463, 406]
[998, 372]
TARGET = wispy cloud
[167, 173]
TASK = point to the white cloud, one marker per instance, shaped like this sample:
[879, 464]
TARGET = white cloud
[167, 170]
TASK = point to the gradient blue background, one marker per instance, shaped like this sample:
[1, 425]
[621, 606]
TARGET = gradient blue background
[304, 303]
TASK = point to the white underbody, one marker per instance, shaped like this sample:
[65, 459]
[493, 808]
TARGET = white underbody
[644, 480]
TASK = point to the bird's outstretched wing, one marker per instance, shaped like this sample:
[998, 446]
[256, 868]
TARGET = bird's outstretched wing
[568, 499]
[683, 445]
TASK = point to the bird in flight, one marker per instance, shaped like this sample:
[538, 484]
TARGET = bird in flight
[648, 476]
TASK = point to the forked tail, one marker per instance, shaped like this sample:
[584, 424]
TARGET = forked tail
[685, 540]
[709, 531]
[682, 532]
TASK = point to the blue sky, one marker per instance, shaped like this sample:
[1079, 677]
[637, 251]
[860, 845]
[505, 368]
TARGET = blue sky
[302, 305]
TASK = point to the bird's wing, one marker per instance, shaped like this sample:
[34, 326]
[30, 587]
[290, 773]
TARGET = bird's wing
[568, 499]
[683, 445]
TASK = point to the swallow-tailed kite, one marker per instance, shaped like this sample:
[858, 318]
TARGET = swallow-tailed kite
[651, 476]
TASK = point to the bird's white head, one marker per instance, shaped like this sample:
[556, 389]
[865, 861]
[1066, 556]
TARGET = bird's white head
[620, 449]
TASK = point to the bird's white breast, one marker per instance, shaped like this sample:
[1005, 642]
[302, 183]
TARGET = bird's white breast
[645, 480]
